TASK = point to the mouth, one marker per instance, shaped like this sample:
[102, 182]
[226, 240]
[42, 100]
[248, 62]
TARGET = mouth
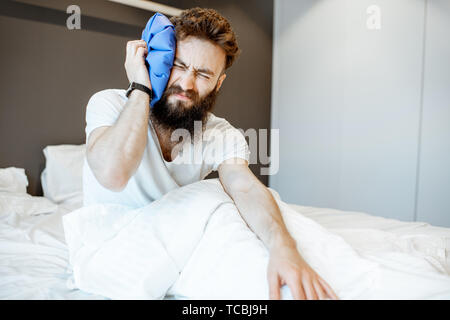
[182, 97]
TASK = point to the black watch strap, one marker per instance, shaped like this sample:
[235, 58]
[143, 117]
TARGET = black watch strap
[141, 87]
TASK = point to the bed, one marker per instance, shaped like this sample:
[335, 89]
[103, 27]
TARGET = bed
[34, 259]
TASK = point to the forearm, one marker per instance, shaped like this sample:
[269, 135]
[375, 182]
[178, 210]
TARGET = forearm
[119, 149]
[260, 211]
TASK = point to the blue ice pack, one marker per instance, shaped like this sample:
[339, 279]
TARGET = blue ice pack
[159, 33]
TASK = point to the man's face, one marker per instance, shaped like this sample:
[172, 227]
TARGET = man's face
[196, 70]
[194, 81]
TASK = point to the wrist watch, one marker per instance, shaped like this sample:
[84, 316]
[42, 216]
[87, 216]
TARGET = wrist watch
[141, 87]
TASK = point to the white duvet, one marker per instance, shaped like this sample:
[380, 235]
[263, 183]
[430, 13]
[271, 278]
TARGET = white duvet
[192, 243]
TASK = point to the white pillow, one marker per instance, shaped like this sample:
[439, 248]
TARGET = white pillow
[13, 180]
[62, 177]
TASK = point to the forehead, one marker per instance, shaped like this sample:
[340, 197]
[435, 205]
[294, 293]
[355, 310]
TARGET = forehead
[200, 54]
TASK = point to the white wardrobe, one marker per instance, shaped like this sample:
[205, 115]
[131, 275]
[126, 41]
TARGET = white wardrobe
[361, 96]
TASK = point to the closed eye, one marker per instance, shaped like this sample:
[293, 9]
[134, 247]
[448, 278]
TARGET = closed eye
[204, 76]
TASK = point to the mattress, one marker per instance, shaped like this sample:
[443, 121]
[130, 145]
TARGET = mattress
[34, 259]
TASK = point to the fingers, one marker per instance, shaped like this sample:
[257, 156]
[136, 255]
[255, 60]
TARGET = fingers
[296, 288]
[319, 290]
[309, 288]
[134, 47]
[328, 289]
[135, 67]
[141, 52]
[274, 287]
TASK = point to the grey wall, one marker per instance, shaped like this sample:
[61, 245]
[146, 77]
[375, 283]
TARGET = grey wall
[48, 72]
[349, 104]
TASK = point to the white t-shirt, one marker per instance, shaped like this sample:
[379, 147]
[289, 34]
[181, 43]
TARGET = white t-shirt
[155, 176]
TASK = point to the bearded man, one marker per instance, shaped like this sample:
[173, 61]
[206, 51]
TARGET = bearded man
[132, 158]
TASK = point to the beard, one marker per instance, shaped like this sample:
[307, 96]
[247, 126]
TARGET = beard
[178, 115]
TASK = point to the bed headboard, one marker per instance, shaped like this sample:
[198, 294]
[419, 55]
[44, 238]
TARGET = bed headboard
[49, 73]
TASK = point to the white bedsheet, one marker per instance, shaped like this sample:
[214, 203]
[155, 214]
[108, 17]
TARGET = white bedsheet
[369, 234]
[123, 253]
[34, 257]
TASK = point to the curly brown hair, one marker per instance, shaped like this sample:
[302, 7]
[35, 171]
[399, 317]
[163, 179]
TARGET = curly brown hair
[210, 25]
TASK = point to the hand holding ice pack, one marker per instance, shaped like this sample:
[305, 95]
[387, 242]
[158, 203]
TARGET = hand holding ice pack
[159, 33]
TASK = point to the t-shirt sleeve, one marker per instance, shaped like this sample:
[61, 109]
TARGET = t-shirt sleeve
[225, 142]
[103, 109]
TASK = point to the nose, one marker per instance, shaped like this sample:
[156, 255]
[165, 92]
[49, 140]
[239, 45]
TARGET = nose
[187, 81]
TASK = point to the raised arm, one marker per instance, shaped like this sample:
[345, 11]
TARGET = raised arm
[114, 152]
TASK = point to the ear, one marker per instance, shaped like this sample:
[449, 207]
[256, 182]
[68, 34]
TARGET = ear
[220, 81]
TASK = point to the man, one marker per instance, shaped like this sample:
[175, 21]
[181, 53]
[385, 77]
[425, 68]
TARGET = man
[133, 160]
